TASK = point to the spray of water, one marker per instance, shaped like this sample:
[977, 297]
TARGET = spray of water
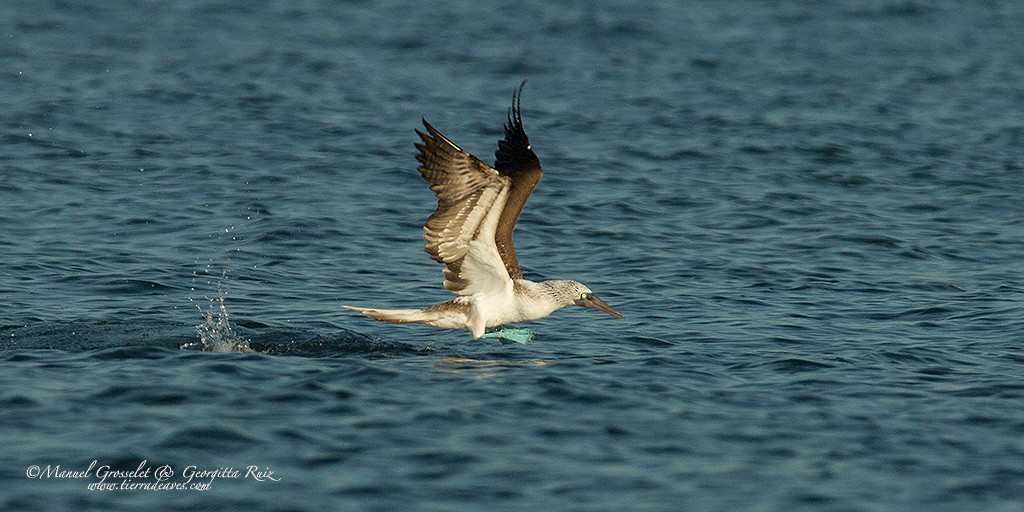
[216, 334]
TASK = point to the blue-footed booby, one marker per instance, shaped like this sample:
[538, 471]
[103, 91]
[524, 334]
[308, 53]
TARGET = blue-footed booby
[471, 234]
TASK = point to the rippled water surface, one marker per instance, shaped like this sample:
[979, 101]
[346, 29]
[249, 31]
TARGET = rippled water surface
[811, 215]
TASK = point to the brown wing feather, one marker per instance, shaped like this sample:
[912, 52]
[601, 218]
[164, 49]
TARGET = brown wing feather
[516, 160]
[465, 189]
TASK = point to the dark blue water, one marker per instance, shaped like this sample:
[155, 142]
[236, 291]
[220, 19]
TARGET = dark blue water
[811, 215]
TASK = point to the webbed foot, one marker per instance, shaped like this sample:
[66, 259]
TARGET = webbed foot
[517, 335]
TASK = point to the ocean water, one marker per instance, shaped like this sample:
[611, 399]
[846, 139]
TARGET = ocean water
[810, 213]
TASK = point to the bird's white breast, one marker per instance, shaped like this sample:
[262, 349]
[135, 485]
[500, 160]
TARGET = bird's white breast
[520, 303]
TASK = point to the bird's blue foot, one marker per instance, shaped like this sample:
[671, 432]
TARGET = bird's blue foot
[522, 336]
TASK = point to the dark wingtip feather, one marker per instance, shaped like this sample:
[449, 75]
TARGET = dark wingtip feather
[514, 153]
[515, 115]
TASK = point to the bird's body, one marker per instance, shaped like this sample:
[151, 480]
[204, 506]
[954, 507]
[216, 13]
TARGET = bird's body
[524, 301]
[471, 233]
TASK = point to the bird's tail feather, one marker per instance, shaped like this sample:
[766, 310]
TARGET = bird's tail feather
[398, 316]
[446, 316]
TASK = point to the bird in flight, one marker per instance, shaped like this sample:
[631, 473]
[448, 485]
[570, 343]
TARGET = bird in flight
[471, 234]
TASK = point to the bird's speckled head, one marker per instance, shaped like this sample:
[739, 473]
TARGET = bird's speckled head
[569, 293]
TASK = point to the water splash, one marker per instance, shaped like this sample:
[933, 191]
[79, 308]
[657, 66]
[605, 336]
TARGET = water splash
[216, 334]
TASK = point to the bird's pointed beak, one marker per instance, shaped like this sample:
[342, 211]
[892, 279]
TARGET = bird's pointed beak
[592, 301]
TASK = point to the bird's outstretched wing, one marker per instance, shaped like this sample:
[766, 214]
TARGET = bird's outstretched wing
[471, 196]
[516, 160]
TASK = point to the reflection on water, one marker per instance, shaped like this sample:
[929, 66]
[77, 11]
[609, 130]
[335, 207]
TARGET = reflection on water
[484, 368]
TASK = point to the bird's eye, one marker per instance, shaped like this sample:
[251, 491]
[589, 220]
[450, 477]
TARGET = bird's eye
[584, 296]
